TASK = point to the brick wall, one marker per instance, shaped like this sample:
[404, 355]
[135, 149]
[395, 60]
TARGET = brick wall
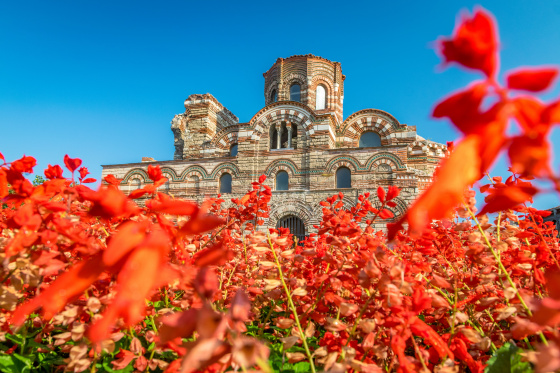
[322, 142]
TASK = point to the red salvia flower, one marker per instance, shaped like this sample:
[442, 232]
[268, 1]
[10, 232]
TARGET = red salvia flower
[474, 43]
[531, 79]
[53, 172]
[72, 164]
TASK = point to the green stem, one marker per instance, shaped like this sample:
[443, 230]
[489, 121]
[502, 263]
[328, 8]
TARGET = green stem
[292, 307]
[359, 318]
[503, 269]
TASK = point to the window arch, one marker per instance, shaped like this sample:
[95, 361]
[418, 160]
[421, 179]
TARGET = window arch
[343, 178]
[233, 150]
[295, 92]
[273, 96]
[320, 98]
[369, 139]
[225, 183]
[282, 181]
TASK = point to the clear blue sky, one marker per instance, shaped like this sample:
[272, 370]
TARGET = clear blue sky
[102, 80]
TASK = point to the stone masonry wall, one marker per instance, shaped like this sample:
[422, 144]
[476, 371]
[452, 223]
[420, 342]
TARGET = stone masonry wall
[321, 143]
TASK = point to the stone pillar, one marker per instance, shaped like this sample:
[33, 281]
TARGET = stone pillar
[289, 128]
[279, 142]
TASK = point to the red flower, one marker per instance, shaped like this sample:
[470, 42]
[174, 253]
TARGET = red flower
[531, 79]
[154, 172]
[456, 173]
[24, 164]
[508, 197]
[53, 172]
[111, 179]
[72, 164]
[83, 172]
[474, 43]
[67, 287]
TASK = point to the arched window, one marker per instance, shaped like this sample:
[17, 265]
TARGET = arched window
[273, 96]
[284, 136]
[294, 136]
[233, 150]
[225, 183]
[320, 98]
[343, 178]
[294, 224]
[369, 139]
[282, 181]
[273, 137]
[295, 92]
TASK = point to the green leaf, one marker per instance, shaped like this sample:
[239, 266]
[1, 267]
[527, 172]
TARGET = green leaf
[16, 338]
[15, 363]
[7, 364]
[508, 359]
[108, 366]
[302, 366]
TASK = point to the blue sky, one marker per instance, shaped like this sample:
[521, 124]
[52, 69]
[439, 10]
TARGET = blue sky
[102, 80]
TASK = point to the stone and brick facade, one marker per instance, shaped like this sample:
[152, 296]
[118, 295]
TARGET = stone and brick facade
[300, 131]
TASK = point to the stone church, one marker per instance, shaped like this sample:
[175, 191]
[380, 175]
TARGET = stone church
[299, 140]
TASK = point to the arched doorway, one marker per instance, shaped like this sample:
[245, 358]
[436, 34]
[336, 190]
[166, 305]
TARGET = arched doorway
[295, 224]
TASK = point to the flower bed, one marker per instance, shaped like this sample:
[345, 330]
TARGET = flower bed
[92, 281]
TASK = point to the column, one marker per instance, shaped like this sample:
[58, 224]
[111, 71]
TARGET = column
[279, 142]
[289, 128]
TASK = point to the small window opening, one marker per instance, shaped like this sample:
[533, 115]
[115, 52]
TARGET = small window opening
[273, 137]
[225, 183]
[295, 93]
[233, 150]
[343, 178]
[282, 180]
[320, 98]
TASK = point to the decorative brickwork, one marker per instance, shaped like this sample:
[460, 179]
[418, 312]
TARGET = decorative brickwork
[309, 145]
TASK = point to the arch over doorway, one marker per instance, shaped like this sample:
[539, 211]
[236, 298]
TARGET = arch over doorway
[294, 224]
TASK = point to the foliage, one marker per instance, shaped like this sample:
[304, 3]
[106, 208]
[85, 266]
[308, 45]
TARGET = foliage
[107, 282]
[508, 359]
[38, 180]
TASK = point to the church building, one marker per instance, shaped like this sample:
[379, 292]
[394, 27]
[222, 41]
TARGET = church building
[300, 140]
